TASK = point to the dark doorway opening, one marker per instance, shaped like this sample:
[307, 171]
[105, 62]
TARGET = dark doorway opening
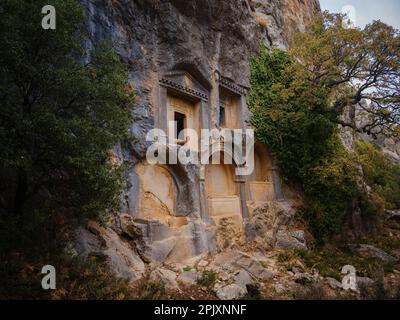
[180, 120]
[221, 115]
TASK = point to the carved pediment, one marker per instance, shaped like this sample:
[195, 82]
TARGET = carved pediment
[184, 83]
[231, 86]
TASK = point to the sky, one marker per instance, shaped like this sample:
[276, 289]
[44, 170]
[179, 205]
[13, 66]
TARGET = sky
[366, 11]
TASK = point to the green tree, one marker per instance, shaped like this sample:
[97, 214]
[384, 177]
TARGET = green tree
[62, 111]
[351, 66]
[295, 121]
[298, 99]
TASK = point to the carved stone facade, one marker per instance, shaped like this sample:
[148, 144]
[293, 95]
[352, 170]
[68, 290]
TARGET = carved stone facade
[189, 61]
[215, 196]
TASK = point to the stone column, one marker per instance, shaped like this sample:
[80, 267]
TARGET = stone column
[242, 112]
[204, 115]
[247, 225]
[277, 184]
[214, 101]
[240, 181]
[203, 195]
[162, 114]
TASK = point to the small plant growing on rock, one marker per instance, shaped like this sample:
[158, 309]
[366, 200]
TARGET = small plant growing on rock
[151, 290]
[207, 279]
[379, 291]
[312, 292]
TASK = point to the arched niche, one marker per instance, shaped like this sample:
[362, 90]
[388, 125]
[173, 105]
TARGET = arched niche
[260, 183]
[157, 193]
[166, 193]
[220, 181]
[221, 190]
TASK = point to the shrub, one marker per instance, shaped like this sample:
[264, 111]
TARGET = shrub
[207, 279]
[296, 123]
[380, 173]
[329, 262]
[77, 279]
[151, 290]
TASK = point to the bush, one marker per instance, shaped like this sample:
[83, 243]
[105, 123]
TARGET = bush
[313, 292]
[151, 290]
[76, 279]
[296, 123]
[380, 174]
[207, 279]
[329, 262]
[379, 291]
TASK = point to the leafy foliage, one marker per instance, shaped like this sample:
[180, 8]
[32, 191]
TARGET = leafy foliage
[330, 262]
[351, 65]
[77, 279]
[62, 110]
[59, 116]
[380, 174]
[298, 97]
[298, 126]
[207, 279]
[152, 290]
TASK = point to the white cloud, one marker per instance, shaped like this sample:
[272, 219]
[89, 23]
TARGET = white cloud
[368, 10]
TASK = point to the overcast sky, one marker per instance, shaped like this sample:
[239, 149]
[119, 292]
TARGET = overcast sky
[366, 11]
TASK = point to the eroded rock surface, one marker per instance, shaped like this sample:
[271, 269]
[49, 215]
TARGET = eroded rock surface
[106, 244]
[282, 18]
[231, 292]
[373, 252]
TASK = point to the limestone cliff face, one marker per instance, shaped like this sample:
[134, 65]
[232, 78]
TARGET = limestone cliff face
[201, 36]
[198, 50]
[282, 18]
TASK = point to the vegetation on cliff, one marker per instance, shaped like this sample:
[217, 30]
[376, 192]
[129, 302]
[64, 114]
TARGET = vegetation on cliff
[298, 99]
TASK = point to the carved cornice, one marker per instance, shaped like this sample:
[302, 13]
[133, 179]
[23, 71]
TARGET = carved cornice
[231, 86]
[169, 83]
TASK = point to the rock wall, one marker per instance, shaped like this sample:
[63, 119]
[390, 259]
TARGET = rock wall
[166, 45]
[282, 18]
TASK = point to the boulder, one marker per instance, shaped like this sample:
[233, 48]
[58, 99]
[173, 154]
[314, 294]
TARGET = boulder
[253, 267]
[290, 240]
[243, 279]
[86, 243]
[237, 260]
[189, 277]
[271, 217]
[303, 278]
[130, 228]
[231, 292]
[364, 282]
[121, 257]
[333, 283]
[167, 277]
[107, 244]
[370, 251]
